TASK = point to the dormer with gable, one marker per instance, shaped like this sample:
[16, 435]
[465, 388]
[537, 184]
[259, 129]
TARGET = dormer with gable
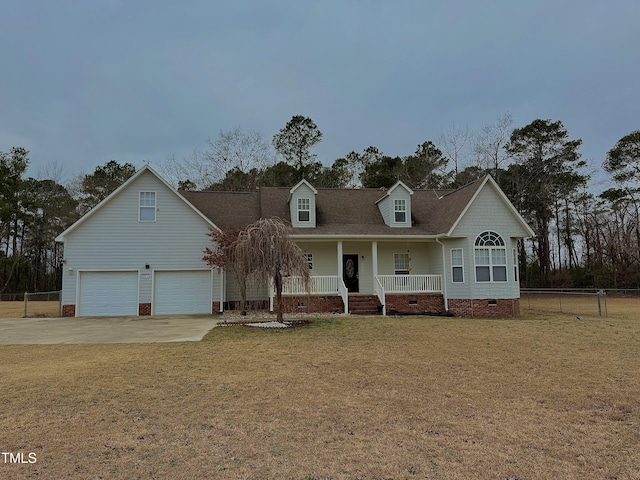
[302, 205]
[395, 206]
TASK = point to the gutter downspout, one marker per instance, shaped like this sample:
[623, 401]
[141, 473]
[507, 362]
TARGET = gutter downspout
[444, 277]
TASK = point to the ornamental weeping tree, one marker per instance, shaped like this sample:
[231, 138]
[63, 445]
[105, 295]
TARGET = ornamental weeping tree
[260, 254]
[224, 255]
[265, 247]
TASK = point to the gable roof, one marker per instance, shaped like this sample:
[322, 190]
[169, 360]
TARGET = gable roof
[399, 183]
[60, 238]
[345, 212]
[489, 179]
[303, 182]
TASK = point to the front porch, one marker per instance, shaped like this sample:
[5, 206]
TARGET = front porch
[326, 292]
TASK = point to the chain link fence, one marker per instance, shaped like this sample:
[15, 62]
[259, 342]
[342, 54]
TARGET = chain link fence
[574, 301]
[43, 304]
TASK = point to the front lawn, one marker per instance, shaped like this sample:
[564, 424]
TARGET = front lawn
[544, 396]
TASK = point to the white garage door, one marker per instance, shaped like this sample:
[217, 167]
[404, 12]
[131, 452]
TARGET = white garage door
[108, 293]
[182, 292]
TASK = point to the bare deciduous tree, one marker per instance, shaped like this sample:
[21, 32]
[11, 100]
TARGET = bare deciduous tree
[233, 150]
[260, 253]
[452, 142]
[238, 149]
[223, 255]
[489, 144]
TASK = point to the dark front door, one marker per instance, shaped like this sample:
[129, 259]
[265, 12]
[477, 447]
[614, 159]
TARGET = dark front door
[350, 272]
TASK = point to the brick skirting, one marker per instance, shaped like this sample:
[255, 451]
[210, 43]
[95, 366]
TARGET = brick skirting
[414, 303]
[503, 307]
[494, 308]
[313, 304]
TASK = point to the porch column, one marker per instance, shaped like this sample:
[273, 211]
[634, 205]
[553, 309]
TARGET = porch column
[223, 276]
[340, 259]
[374, 256]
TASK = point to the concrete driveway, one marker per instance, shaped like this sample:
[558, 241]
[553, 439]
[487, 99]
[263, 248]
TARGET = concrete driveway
[147, 329]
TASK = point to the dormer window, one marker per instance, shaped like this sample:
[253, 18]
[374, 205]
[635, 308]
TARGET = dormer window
[400, 210]
[147, 207]
[304, 209]
[302, 205]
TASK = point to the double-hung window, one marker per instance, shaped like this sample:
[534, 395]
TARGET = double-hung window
[457, 268]
[147, 207]
[400, 210]
[401, 263]
[304, 209]
[490, 258]
[309, 257]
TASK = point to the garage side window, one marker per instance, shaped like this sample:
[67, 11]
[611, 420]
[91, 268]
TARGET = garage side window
[147, 207]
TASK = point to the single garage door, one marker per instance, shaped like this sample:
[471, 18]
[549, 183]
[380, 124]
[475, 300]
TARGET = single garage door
[182, 292]
[108, 293]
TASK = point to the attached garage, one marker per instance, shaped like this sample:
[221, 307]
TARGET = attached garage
[108, 293]
[182, 292]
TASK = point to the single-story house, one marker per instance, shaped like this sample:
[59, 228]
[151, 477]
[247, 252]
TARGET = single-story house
[139, 251]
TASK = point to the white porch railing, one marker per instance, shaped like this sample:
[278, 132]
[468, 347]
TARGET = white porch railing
[380, 293]
[411, 283]
[320, 285]
[344, 293]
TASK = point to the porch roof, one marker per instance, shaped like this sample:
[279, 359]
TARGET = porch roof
[338, 211]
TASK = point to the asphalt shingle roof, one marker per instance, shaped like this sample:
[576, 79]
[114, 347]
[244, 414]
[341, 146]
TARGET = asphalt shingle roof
[338, 211]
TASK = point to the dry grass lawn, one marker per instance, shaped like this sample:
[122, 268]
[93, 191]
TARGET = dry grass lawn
[541, 397]
[35, 309]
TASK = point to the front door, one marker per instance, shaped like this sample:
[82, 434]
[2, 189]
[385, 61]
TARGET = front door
[350, 272]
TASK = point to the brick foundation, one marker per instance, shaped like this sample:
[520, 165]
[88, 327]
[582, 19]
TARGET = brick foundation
[416, 303]
[251, 305]
[481, 308]
[313, 304]
[215, 307]
[144, 309]
[68, 310]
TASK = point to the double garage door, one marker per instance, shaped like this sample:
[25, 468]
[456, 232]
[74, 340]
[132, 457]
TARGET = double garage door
[116, 293]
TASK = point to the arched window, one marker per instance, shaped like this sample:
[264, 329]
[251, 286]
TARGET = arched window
[490, 258]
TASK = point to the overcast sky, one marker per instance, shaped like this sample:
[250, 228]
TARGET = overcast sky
[83, 82]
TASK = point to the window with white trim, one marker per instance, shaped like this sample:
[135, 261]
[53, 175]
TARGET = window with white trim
[304, 209]
[147, 207]
[400, 210]
[457, 269]
[516, 277]
[401, 263]
[490, 258]
[309, 257]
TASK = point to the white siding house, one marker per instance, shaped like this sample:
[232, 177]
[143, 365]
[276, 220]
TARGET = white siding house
[424, 251]
[139, 252]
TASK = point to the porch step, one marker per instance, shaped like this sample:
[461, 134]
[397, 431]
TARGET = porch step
[364, 305]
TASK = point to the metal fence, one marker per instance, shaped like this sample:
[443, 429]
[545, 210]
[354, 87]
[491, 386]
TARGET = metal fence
[574, 301]
[43, 304]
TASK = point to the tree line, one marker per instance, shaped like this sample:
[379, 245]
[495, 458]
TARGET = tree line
[581, 239]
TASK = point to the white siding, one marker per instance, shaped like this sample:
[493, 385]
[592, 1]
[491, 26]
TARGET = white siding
[421, 260]
[303, 191]
[113, 239]
[459, 290]
[325, 256]
[488, 212]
